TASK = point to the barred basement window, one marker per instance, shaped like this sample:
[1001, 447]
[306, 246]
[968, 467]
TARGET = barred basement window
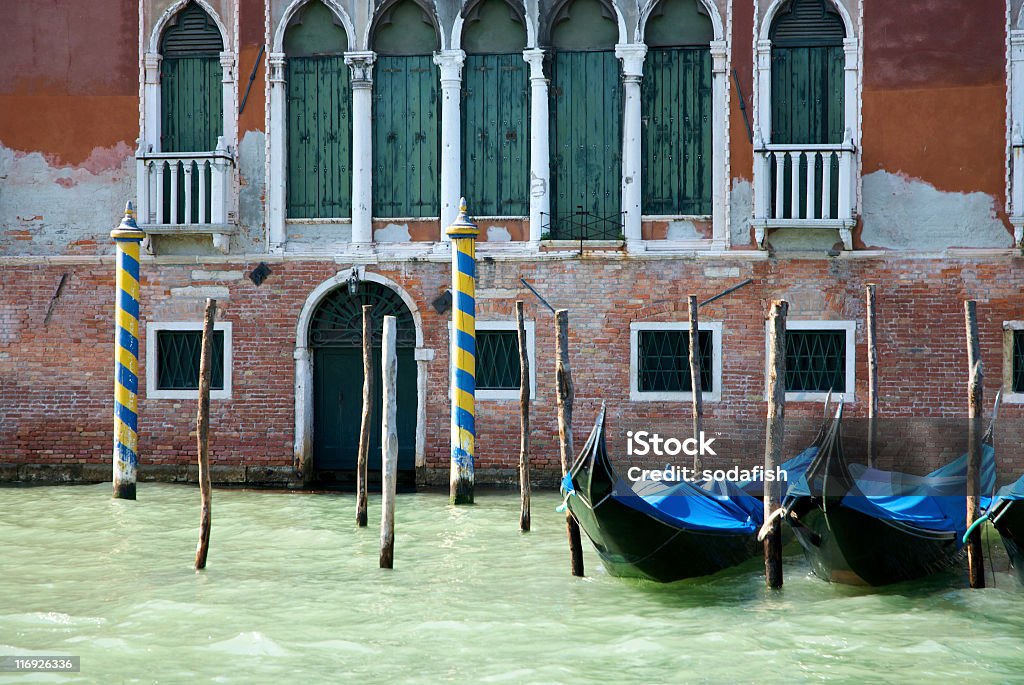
[178, 356]
[816, 361]
[664, 361]
[1018, 361]
[497, 360]
[660, 361]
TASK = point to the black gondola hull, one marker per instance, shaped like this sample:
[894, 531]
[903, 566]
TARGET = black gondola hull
[843, 545]
[1010, 525]
[634, 545]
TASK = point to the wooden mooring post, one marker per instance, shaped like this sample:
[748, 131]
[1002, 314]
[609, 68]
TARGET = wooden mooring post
[872, 376]
[563, 377]
[203, 433]
[975, 558]
[389, 444]
[695, 387]
[774, 436]
[364, 426]
[524, 422]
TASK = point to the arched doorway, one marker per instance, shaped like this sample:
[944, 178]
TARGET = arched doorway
[335, 341]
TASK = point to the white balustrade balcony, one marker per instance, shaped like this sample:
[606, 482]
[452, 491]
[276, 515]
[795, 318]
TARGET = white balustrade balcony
[187, 193]
[805, 186]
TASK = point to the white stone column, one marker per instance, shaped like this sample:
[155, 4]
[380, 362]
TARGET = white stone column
[361, 64]
[151, 91]
[719, 149]
[230, 109]
[762, 135]
[540, 151]
[276, 164]
[149, 141]
[632, 56]
[1015, 193]
[451, 62]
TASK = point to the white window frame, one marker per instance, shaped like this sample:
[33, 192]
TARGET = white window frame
[504, 395]
[1009, 396]
[635, 327]
[153, 391]
[851, 358]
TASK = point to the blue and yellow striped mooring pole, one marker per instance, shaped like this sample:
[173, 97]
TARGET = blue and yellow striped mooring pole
[463, 355]
[127, 238]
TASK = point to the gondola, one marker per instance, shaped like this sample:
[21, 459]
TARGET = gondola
[863, 526]
[1007, 516]
[663, 531]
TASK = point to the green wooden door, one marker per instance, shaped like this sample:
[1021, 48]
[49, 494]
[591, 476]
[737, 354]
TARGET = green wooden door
[807, 109]
[586, 145]
[406, 137]
[337, 413]
[676, 110]
[191, 104]
[496, 139]
[319, 137]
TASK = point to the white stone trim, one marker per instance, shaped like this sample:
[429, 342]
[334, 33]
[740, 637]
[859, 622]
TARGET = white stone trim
[531, 346]
[850, 363]
[295, 5]
[150, 100]
[1009, 396]
[709, 5]
[153, 391]
[713, 395]
[852, 119]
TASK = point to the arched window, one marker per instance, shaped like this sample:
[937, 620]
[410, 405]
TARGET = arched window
[495, 110]
[807, 74]
[586, 123]
[319, 115]
[677, 110]
[406, 126]
[191, 97]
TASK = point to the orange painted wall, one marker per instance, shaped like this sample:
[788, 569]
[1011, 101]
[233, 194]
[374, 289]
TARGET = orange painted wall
[934, 96]
[70, 80]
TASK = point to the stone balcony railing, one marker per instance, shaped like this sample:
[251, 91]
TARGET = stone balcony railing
[187, 193]
[805, 186]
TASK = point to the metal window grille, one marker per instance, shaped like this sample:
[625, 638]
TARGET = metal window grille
[178, 354]
[664, 361]
[1018, 361]
[816, 361]
[497, 360]
[338, 320]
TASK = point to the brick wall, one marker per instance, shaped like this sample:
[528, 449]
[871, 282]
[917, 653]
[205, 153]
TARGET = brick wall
[56, 376]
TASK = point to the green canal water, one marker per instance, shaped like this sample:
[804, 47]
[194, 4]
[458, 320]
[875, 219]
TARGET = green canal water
[293, 594]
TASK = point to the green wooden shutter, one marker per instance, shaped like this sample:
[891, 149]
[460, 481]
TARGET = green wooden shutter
[191, 104]
[319, 137]
[807, 109]
[586, 145]
[406, 137]
[495, 129]
[676, 101]
[807, 95]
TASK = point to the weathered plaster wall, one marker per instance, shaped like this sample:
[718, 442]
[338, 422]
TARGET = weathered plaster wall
[901, 212]
[934, 123]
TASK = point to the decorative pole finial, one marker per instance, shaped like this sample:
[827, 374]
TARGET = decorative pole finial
[128, 228]
[463, 226]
